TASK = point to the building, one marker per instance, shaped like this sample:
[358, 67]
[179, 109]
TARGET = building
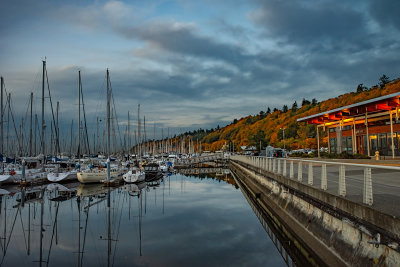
[364, 127]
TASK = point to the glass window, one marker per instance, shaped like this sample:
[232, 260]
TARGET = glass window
[365, 144]
[374, 146]
[349, 144]
[382, 145]
[333, 144]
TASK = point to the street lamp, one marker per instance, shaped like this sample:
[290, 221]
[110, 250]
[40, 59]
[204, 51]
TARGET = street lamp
[283, 136]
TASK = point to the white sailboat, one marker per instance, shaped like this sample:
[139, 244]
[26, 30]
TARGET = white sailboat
[134, 175]
[55, 177]
[96, 175]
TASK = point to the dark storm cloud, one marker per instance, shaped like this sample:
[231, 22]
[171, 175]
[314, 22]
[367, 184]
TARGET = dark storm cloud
[181, 39]
[222, 68]
[386, 13]
[318, 24]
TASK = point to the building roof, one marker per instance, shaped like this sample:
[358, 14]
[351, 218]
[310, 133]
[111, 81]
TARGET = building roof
[379, 104]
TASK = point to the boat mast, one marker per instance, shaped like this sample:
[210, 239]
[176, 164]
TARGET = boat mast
[108, 114]
[2, 116]
[57, 130]
[30, 130]
[129, 135]
[43, 125]
[79, 117]
[139, 141]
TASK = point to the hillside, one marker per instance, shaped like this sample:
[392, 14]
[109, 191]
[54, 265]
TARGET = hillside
[265, 127]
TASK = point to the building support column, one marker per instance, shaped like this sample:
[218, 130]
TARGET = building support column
[391, 132]
[318, 143]
[329, 141]
[366, 126]
[354, 137]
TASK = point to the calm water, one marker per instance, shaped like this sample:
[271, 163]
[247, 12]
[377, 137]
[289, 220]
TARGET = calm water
[182, 221]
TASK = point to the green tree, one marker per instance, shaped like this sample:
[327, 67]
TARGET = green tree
[294, 106]
[268, 110]
[383, 80]
[305, 102]
[284, 109]
[255, 139]
[361, 88]
[314, 102]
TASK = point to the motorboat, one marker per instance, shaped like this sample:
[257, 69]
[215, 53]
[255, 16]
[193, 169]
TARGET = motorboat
[152, 171]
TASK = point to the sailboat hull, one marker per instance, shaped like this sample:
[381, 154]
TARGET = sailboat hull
[98, 177]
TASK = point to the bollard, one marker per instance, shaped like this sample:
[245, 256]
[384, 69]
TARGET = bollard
[376, 155]
[367, 194]
[324, 182]
[342, 180]
[300, 172]
[291, 171]
[310, 174]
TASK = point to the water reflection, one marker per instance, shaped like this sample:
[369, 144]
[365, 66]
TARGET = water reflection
[178, 220]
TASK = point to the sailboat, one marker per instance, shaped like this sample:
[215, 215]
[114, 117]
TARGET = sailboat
[97, 175]
[134, 175]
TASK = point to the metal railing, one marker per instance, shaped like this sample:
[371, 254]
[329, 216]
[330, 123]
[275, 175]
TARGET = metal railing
[332, 175]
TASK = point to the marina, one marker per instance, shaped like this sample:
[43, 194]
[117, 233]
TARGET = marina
[182, 220]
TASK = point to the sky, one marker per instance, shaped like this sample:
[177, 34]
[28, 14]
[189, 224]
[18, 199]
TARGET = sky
[193, 64]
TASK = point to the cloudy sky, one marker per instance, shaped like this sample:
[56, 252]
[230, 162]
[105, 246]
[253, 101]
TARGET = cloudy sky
[193, 64]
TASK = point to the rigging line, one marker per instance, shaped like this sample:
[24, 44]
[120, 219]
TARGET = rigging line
[9, 237]
[52, 236]
[119, 226]
[84, 235]
[115, 112]
[15, 128]
[84, 117]
[23, 230]
[52, 112]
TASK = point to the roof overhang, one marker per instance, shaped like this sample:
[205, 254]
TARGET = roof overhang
[379, 104]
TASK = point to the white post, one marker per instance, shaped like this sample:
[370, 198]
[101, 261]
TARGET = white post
[291, 171]
[284, 168]
[342, 180]
[324, 182]
[367, 195]
[270, 164]
[310, 174]
[279, 166]
[300, 172]
[274, 166]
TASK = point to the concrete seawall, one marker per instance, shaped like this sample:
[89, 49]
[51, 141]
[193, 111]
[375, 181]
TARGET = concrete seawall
[331, 230]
